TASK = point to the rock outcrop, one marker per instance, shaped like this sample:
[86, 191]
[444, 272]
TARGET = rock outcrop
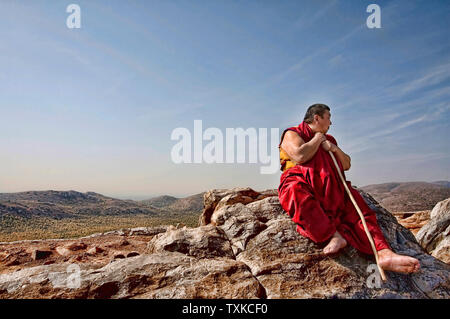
[435, 235]
[245, 247]
[413, 221]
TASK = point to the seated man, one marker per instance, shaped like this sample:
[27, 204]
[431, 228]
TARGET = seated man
[313, 195]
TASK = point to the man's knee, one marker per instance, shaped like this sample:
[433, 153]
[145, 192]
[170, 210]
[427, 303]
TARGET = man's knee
[305, 211]
[293, 196]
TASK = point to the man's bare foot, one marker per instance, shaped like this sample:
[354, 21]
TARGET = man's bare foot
[391, 261]
[336, 243]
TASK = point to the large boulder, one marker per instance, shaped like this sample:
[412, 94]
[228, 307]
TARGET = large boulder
[435, 235]
[158, 275]
[245, 247]
[443, 207]
[202, 242]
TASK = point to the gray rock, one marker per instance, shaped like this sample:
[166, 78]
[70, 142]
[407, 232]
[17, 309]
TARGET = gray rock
[147, 231]
[202, 242]
[441, 208]
[435, 235]
[159, 275]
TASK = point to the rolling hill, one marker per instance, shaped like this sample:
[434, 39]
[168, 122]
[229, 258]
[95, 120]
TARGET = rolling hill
[409, 196]
[63, 214]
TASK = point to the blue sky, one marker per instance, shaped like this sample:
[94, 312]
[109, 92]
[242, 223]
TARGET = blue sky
[92, 109]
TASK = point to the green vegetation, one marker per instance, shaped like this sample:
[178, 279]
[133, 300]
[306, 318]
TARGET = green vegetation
[14, 228]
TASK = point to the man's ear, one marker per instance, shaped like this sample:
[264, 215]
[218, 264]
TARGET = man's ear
[316, 117]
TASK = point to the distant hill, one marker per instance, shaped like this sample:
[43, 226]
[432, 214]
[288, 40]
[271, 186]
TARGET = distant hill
[160, 201]
[67, 204]
[443, 183]
[409, 196]
[55, 197]
[170, 203]
[186, 204]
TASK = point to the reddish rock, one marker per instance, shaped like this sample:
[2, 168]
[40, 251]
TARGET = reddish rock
[413, 220]
[95, 250]
[76, 246]
[63, 251]
[12, 261]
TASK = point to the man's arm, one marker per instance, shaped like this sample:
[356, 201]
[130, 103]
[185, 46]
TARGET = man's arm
[299, 151]
[343, 158]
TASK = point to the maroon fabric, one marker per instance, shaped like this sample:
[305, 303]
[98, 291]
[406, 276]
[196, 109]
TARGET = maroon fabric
[314, 197]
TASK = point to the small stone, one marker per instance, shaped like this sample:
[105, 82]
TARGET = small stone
[12, 262]
[77, 258]
[76, 246]
[63, 251]
[94, 250]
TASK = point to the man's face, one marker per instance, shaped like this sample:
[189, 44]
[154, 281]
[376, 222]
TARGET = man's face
[323, 123]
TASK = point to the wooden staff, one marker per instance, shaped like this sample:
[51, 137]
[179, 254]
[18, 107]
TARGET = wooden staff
[369, 236]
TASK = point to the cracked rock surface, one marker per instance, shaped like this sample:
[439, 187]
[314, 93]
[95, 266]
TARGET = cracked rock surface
[245, 247]
[435, 235]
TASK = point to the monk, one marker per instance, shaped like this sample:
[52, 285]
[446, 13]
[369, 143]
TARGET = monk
[313, 195]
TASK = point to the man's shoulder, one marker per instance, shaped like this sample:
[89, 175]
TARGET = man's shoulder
[293, 132]
[293, 129]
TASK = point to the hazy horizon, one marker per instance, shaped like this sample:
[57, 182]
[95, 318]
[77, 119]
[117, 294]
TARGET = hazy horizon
[183, 195]
[93, 109]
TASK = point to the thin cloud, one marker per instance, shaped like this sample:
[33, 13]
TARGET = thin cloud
[299, 65]
[412, 158]
[73, 54]
[387, 12]
[366, 142]
[303, 22]
[431, 77]
[336, 60]
[368, 139]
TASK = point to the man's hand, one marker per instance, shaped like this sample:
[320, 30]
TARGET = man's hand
[320, 137]
[299, 151]
[341, 156]
[328, 146]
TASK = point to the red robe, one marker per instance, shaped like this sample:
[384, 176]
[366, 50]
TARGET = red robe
[315, 198]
